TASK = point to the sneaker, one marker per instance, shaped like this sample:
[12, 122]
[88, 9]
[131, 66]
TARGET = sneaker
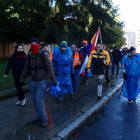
[130, 101]
[47, 89]
[36, 121]
[23, 102]
[18, 103]
[99, 97]
[72, 96]
[44, 124]
[108, 84]
[111, 76]
[59, 101]
[86, 84]
[74, 93]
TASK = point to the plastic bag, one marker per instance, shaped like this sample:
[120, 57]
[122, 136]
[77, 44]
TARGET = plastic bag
[54, 90]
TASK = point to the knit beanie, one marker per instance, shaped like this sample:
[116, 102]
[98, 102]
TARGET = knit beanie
[84, 42]
[44, 44]
[132, 49]
[63, 43]
[34, 40]
[115, 47]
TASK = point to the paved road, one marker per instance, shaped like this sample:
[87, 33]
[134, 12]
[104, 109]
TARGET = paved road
[117, 120]
[15, 122]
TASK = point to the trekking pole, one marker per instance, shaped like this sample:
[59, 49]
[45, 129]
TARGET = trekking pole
[121, 89]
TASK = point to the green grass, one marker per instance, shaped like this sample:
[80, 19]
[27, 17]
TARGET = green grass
[6, 83]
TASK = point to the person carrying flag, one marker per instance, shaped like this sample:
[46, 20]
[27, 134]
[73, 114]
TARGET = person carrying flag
[99, 58]
[83, 54]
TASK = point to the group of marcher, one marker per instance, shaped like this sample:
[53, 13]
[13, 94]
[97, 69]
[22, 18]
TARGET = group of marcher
[63, 67]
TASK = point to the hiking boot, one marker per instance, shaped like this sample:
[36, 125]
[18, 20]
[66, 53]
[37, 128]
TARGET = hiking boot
[36, 121]
[59, 101]
[130, 101]
[18, 103]
[71, 96]
[23, 102]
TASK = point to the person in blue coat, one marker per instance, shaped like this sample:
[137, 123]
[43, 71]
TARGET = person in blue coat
[131, 75]
[63, 69]
[17, 62]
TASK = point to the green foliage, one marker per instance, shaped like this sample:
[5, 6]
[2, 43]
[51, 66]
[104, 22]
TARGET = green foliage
[67, 20]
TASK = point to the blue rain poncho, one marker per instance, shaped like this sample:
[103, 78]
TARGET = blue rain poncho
[62, 64]
[131, 86]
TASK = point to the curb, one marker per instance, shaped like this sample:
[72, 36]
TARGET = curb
[67, 131]
[12, 92]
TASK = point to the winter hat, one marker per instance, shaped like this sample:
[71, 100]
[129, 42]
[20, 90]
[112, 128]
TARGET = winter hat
[44, 44]
[115, 47]
[63, 43]
[132, 49]
[84, 42]
[34, 40]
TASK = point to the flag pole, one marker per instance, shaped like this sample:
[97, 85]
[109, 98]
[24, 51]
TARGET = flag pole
[101, 43]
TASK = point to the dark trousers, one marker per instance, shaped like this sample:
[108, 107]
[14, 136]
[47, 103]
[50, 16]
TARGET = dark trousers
[20, 91]
[113, 67]
[106, 74]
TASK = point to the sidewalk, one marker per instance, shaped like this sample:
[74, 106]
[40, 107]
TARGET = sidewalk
[15, 122]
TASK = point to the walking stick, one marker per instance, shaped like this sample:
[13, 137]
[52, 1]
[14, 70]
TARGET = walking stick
[121, 89]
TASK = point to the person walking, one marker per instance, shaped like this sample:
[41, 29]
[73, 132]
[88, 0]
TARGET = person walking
[63, 68]
[39, 66]
[83, 53]
[116, 58]
[45, 49]
[131, 88]
[99, 58]
[77, 66]
[107, 67]
[17, 62]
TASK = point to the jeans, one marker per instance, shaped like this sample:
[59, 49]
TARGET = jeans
[113, 66]
[99, 79]
[75, 80]
[38, 92]
[20, 91]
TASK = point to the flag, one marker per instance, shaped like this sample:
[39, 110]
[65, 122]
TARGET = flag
[93, 42]
[91, 47]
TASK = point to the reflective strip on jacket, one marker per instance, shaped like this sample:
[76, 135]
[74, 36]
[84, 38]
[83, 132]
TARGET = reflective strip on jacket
[76, 59]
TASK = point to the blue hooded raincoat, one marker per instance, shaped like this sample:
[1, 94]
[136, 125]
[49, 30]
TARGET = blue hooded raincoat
[131, 87]
[62, 64]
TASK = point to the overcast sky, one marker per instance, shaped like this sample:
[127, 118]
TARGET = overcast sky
[129, 13]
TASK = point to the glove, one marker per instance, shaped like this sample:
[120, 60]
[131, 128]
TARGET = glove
[124, 75]
[55, 74]
[72, 76]
[54, 84]
[22, 83]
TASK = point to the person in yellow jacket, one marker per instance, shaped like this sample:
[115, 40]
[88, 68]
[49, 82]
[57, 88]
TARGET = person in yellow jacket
[98, 58]
[45, 49]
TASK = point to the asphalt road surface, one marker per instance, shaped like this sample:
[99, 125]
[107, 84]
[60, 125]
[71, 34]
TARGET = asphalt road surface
[117, 120]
